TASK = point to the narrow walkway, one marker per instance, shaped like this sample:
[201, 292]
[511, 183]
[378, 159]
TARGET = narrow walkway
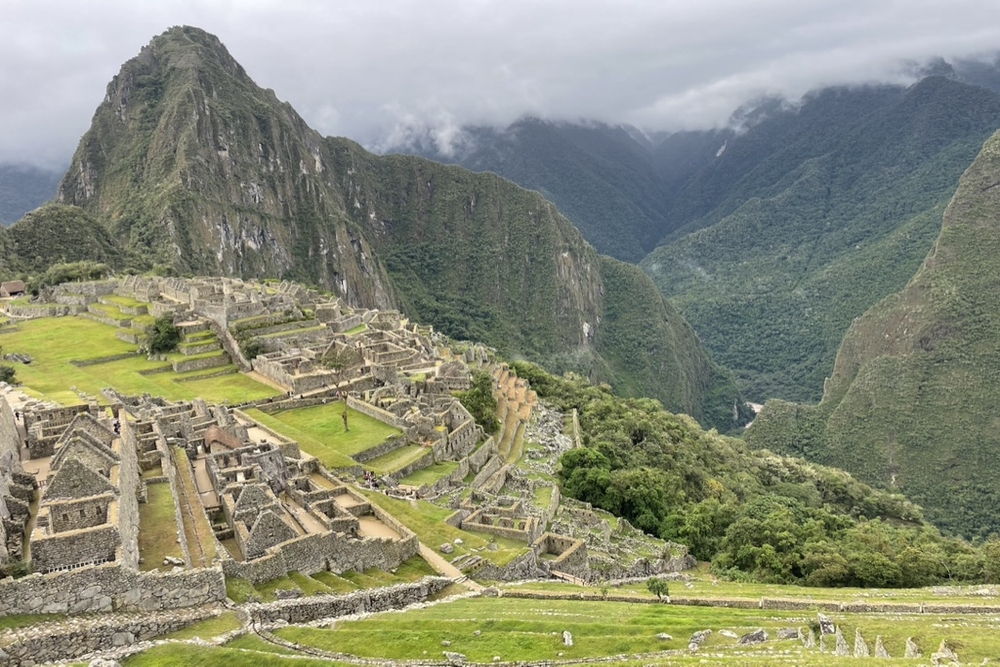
[435, 560]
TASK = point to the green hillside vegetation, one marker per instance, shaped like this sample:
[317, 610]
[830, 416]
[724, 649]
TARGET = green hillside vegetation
[815, 216]
[911, 404]
[757, 516]
[55, 234]
[599, 176]
[195, 169]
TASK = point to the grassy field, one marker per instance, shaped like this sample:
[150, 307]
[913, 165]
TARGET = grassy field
[703, 587]
[325, 424]
[430, 474]
[328, 456]
[54, 342]
[158, 529]
[189, 655]
[211, 627]
[532, 630]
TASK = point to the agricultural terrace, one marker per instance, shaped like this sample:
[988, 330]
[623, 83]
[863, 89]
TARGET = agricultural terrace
[319, 431]
[54, 343]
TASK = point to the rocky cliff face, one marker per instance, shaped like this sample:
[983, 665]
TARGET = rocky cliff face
[193, 167]
[912, 400]
[196, 167]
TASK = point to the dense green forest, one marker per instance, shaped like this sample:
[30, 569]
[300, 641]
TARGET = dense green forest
[757, 516]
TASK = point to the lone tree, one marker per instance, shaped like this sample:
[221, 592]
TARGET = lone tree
[658, 587]
[163, 335]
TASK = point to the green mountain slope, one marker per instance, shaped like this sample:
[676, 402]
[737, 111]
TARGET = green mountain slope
[56, 234]
[601, 177]
[912, 400]
[832, 209]
[193, 167]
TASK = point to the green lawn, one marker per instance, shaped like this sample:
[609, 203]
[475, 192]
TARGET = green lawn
[210, 627]
[531, 630]
[54, 342]
[326, 425]
[397, 459]
[158, 529]
[430, 474]
[327, 455]
[189, 655]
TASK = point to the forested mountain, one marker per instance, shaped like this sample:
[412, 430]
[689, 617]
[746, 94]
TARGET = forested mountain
[754, 514]
[191, 167]
[826, 209]
[24, 188]
[772, 236]
[911, 404]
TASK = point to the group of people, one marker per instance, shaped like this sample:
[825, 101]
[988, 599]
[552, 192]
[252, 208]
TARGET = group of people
[371, 481]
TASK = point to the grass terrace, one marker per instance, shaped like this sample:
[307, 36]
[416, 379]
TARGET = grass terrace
[397, 459]
[324, 583]
[158, 529]
[210, 627]
[325, 424]
[55, 342]
[430, 474]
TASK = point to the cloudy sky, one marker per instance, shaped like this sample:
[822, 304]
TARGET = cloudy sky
[374, 70]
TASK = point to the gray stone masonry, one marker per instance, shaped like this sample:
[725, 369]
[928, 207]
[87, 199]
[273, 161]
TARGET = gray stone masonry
[110, 587]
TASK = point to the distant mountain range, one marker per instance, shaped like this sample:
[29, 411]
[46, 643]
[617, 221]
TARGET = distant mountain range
[770, 236]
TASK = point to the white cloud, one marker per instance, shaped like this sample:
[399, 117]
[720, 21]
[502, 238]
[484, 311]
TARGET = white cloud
[370, 68]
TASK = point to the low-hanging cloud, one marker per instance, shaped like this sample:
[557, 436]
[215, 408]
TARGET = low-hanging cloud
[384, 71]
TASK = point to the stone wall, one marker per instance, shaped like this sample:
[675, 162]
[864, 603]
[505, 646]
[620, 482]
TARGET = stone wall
[390, 445]
[383, 416]
[492, 466]
[128, 497]
[61, 642]
[200, 364]
[75, 547]
[303, 610]
[326, 551]
[110, 587]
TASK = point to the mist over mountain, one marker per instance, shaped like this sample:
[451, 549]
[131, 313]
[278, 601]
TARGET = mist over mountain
[24, 188]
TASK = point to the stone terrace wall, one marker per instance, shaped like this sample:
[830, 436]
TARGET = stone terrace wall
[59, 642]
[390, 445]
[383, 416]
[303, 610]
[110, 587]
[312, 553]
[128, 499]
